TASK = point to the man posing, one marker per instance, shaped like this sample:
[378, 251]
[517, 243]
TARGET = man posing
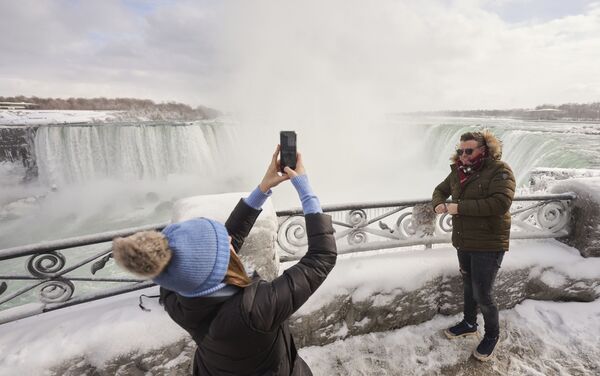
[482, 189]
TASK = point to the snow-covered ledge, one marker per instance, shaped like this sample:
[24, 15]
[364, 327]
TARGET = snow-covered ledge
[364, 293]
[379, 292]
[585, 234]
[259, 252]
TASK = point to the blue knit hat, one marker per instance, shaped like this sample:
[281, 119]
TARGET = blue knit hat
[200, 256]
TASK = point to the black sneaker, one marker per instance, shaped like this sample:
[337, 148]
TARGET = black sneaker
[485, 350]
[462, 329]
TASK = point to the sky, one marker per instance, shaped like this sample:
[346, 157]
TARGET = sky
[338, 55]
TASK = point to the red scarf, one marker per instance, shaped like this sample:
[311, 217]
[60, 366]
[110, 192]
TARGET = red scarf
[465, 171]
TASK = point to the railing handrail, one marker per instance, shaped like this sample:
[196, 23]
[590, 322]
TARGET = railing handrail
[383, 204]
[73, 242]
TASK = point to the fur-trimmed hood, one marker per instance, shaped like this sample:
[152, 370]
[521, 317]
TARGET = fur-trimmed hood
[493, 145]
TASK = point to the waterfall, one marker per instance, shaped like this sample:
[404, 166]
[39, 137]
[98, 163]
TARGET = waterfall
[525, 145]
[77, 154]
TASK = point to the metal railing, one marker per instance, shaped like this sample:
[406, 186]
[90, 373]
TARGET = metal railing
[49, 274]
[359, 228]
[384, 225]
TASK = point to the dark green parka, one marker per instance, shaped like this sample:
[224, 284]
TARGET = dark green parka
[483, 219]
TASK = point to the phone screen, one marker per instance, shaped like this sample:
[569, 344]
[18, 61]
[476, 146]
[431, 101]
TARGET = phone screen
[287, 153]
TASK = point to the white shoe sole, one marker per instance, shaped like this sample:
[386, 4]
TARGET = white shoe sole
[483, 358]
[453, 336]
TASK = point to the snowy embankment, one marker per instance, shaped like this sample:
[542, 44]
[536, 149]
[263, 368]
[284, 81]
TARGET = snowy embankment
[114, 336]
[51, 117]
[43, 117]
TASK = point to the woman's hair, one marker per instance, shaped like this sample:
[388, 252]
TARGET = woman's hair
[236, 273]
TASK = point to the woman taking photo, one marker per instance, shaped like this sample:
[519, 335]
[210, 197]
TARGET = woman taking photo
[239, 323]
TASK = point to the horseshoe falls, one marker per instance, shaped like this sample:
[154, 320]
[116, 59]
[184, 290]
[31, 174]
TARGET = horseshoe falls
[72, 154]
[99, 177]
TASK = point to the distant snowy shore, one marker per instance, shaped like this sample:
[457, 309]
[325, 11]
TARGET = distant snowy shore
[39, 117]
[50, 117]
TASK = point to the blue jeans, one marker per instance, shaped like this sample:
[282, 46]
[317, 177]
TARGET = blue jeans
[479, 270]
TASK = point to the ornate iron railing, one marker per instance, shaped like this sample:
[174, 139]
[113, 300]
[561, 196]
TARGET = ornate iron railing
[359, 227]
[384, 225]
[49, 274]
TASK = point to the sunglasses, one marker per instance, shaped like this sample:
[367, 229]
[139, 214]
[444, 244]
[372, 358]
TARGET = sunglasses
[468, 151]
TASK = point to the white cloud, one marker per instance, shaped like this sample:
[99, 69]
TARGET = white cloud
[300, 59]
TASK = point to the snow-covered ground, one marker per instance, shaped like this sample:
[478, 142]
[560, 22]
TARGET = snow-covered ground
[540, 338]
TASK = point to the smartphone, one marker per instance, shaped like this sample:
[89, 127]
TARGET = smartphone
[287, 152]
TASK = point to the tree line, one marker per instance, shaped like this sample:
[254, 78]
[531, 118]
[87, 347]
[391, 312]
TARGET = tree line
[117, 104]
[567, 111]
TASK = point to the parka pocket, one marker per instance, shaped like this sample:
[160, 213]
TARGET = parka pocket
[495, 225]
[483, 187]
[484, 225]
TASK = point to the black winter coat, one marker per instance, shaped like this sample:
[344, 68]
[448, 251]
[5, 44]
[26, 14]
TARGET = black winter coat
[247, 333]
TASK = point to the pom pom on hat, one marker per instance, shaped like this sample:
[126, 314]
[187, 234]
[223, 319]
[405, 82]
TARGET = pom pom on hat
[145, 253]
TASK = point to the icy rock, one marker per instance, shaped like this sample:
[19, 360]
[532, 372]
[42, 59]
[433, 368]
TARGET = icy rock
[173, 360]
[585, 231]
[424, 219]
[543, 179]
[258, 252]
[442, 294]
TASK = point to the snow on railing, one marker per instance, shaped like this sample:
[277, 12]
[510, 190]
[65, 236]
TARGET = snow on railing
[359, 227]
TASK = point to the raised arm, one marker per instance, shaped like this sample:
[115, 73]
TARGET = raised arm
[270, 303]
[244, 215]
